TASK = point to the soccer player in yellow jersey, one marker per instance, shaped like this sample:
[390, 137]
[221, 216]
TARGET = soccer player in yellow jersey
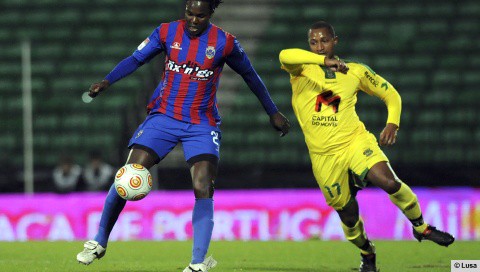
[345, 156]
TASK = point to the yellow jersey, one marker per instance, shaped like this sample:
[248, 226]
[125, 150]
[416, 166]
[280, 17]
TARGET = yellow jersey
[324, 101]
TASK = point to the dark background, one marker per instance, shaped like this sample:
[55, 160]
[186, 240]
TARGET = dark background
[428, 50]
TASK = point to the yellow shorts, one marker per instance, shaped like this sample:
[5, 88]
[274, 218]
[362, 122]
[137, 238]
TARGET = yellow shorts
[343, 174]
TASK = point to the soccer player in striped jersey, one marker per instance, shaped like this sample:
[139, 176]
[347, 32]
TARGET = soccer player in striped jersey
[345, 156]
[183, 108]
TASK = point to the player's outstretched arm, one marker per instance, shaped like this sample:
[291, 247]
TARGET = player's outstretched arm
[147, 50]
[280, 123]
[123, 69]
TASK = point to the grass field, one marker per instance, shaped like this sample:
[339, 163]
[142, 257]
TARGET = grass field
[311, 256]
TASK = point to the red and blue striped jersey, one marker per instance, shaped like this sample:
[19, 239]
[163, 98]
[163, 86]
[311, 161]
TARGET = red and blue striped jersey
[193, 66]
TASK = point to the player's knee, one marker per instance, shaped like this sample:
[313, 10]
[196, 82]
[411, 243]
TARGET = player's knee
[393, 185]
[348, 218]
[349, 213]
[203, 187]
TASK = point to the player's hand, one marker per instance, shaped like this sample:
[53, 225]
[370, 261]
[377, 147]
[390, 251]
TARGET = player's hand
[280, 123]
[98, 87]
[336, 65]
[388, 135]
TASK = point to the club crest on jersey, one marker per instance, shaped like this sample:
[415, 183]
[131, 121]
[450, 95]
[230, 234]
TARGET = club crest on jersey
[176, 45]
[210, 52]
[368, 152]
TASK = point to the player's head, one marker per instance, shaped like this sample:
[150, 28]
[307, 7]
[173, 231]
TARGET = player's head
[198, 14]
[322, 39]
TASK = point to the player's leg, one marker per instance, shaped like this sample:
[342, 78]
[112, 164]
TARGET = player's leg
[370, 163]
[383, 176]
[201, 149]
[150, 143]
[114, 204]
[352, 225]
[339, 190]
[203, 178]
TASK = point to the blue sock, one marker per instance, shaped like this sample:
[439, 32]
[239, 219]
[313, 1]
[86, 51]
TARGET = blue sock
[113, 206]
[202, 221]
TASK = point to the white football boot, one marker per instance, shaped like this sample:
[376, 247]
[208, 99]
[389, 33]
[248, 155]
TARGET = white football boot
[92, 250]
[207, 264]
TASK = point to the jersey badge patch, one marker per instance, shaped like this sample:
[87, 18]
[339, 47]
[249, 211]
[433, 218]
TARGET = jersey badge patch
[143, 44]
[210, 52]
[368, 152]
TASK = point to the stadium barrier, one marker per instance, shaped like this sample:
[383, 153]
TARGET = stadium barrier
[240, 215]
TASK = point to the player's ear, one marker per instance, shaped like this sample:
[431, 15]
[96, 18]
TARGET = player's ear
[335, 40]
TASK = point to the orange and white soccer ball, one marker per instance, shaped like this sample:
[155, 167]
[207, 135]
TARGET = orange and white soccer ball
[133, 182]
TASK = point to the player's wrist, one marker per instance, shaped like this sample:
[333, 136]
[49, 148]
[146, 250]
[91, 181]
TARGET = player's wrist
[105, 83]
[273, 113]
[329, 61]
[393, 125]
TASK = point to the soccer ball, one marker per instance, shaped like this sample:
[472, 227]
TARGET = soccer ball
[133, 182]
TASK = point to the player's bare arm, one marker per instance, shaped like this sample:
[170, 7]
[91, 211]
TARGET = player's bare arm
[280, 123]
[388, 136]
[98, 87]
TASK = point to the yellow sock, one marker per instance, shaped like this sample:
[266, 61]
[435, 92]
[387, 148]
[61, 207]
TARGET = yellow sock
[407, 202]
[358, 237]
[421, 228]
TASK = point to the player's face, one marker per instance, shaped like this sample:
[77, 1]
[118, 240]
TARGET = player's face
[322, 42]
[197, 15]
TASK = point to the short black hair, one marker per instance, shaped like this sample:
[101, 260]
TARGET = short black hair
[323, 24]
[213, 3]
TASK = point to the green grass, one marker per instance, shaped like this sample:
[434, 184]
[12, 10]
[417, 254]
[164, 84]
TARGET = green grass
[308, 256]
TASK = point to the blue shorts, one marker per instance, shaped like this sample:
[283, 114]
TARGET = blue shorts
[162, 133]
